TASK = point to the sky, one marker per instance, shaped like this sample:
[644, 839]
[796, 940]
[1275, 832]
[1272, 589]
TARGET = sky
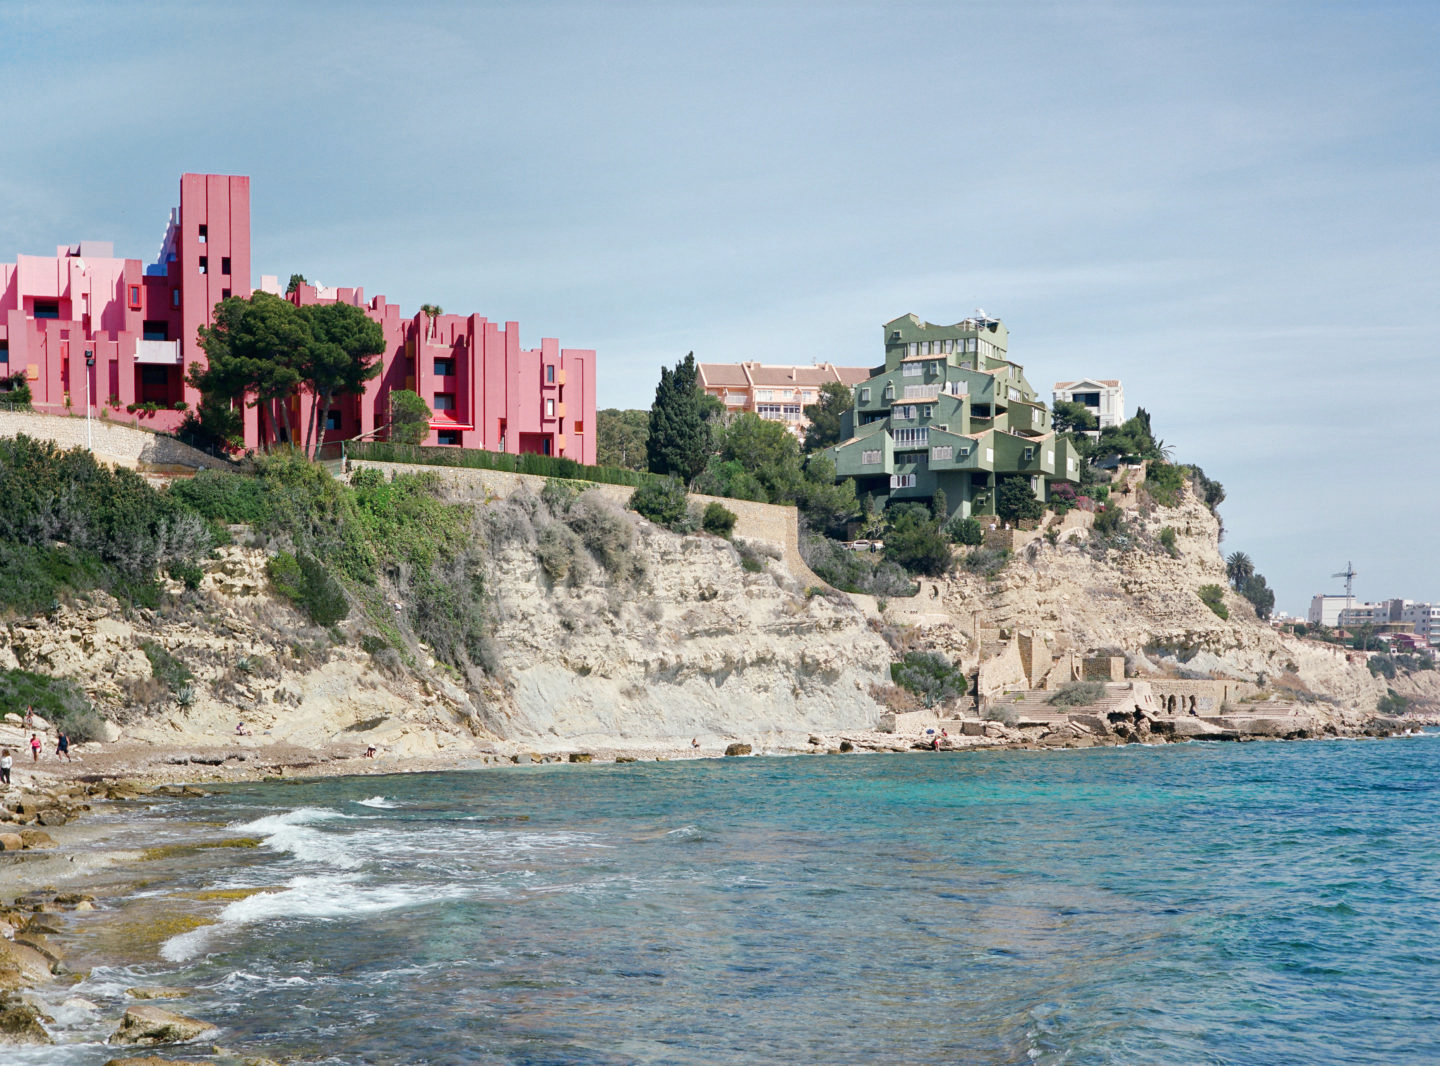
[1232, 207]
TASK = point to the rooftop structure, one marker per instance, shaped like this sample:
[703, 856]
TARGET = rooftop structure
[950, 411]
[84, 320]
[776, 393]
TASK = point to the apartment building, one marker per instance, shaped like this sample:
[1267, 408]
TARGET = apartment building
[950, 411]
[90, 331]
[777, 393]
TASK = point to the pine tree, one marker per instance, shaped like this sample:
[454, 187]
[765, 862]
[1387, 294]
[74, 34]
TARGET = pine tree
[679, 442]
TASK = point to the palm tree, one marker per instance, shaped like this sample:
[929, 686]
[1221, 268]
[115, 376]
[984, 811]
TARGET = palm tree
[1239, 569]
[432, 312]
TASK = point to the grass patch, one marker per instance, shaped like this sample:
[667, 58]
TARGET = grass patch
[1077, 694]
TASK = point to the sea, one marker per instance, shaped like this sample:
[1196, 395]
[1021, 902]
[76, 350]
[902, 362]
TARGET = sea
[1188, 904]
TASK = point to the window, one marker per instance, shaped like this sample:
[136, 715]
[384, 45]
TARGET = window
[154, 375]
[903, 413]
[912, 370]
[769, 410]
[902, 481]
[174, 297]
[134, 297]
[448, 436]
[332, 420]
[890, 391]
[445, 401]
[792, 412]
[4, 351]
[224, 294]
[914, 348]
[204, 264]
[1029, 454]
[949, 347]
[1089, 399]
[444, 368]
[549, 408]
[942, 452]
[155, 330]
[934, 368]
[864, 395]
[204, 233]
[928, 411]
[549, 373]
[224, 264]
[871, 457]
[919, 436]
[579, 427]
[1015, 394]
[47, 308]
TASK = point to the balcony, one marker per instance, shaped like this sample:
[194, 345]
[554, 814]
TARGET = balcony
[161, 353]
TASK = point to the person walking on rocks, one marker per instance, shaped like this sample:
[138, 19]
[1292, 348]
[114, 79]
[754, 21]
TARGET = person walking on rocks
[5, 763]
[62, 746]
[29, 717]
[35, 747]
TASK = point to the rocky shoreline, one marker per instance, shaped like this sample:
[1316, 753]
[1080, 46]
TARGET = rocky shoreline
[45, 831]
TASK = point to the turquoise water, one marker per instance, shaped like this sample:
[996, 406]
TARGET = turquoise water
[1255, 903]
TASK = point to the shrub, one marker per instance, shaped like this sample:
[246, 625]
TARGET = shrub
[189, 574]
[1077, 694]
[167, 669]
[966, 531]
[556, 549]
[478, 459]
[915, 542]
[718, 519]
[1213, 596]
[1392, 703]
[664, 502]
[58, 701]
[225, 497]
[929, 675]
[409, 417]
[988, 562]
[286, 580]
[1165, 483]
[1167, 541]
[15, 392]
[305, 582]
[866, 572]
[606, 533]
[1109, 522]
[1015, 501]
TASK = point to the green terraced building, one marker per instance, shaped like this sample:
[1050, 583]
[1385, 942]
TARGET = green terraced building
[950, 411]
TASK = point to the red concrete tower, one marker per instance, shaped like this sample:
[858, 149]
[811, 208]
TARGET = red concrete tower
[212, 249]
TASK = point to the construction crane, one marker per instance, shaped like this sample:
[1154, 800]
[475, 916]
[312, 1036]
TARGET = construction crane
[1349, 575]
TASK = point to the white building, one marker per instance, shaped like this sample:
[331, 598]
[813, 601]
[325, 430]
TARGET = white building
[1105, 399]
[1325, 610]
[1423, 617]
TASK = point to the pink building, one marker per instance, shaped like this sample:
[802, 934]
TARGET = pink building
[128, 331]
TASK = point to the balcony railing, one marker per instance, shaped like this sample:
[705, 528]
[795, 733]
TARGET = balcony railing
[157, 352]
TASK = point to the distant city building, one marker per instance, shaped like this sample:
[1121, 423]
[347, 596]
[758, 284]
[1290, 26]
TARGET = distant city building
[775, 393]
[1105, 399]
[83, 318]
[1393, 616]
[1325, 610]
[949, 411]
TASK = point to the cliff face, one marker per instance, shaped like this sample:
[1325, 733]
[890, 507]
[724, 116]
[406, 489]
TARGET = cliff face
[1130, 595]
[699, 646]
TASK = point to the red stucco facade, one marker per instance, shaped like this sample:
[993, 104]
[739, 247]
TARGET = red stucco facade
[138, 326]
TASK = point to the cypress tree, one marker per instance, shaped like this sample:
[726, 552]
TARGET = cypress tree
[679, 442]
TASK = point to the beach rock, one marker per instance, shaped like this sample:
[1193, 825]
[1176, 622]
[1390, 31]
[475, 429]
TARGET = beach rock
[152, 1025]
[157, 992]
[39, 943]
[153, 1060]
[581, 756]
[20, 1024]
[52, 816]
[22, 967]
[738, 749]
[846, 746]
[11, 842]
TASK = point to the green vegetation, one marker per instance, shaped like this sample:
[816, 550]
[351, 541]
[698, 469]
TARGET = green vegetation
[967, 531]
[620, 438]
[1167, 541]
[1077, 694]
[718, 519]
[1015, 501]
[409, 417]
[57, 701]
[1392, 703]
[474, 459]
[267, 348]
[306, 583]
[850, 571]
[70, 525]
[1243, 579]
[987, 562]
[15, 392]
[664, 502]
[824, 415]
[1388, 666]
[915, 542]
[1068, 417]
[168, 670]
[679, 439]
[929, 675]
[1165, 483]
[1213, 596]
[1110, 522]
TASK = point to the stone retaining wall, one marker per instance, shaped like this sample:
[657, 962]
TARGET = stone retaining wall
[112, 443]
[765, 522]
[1199, 697]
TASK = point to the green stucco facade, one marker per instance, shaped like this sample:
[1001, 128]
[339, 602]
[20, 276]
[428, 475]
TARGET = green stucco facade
[949, 411]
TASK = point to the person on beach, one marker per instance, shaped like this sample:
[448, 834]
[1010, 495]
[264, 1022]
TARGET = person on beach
[935, 743]
[62, 746]
[5, 763]
[694, 742]
[35, 746]
[370, 752]
[240, 730]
